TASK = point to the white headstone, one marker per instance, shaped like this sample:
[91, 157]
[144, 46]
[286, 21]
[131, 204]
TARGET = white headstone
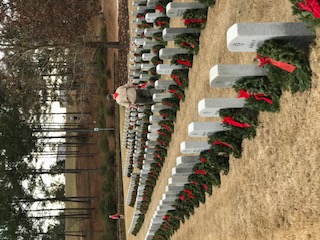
[148, 56]
[187, 159]
[153, 136]
[167, 68]
[176, 9]
[155, 118]
[209, 107]
[158, 108]
[247, 37]
[193, 146]
[149, 45]
[150, 17]
[225, 75]
[154, 127]
[142, 9]
[170, 34]
[145, 77]
[202, 129]
[148, 32]
[158, 97]
[168, 53]
[139, 20]
[138, 30]
[163, 84]
[152, 3]
[146, 66]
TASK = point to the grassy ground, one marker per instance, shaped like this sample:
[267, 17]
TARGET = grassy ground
[272, 192]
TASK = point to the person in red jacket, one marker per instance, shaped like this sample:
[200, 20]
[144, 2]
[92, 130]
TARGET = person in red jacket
[116, 216]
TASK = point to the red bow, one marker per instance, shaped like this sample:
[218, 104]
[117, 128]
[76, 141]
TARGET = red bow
[283, 65]
[260, 96]
[203, 160]
[168, 104]
[312, 6]
[188, 21]
[184, 62]
[160, 23]
[176, 93]
[222, 144]
[232, 122]
[162, 142]
[190, 195]
[167, 218]
[200, 171]
[176, 78]
[205, 187]
[158, 156]
[186, 44]
[160, 8]
[166, 127]
[162, 133]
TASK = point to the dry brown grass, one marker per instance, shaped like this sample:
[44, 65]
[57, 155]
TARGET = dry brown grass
[273, 191]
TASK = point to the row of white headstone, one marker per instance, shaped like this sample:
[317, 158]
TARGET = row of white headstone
[138, 75]
[240, 38]
[131, 188]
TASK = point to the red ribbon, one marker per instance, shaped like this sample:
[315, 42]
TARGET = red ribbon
[162, 133]
[200, 171]
[168, 104]
[203, 160]
[160, 23]
[158, 156]
[162, 142]
[282, 65]
[188, 21]
[222, 144]
[186, 44]
[205, 187]
[176, 93]
[115, 95]
[312, 6]
[160, 8]
[190, 195]
[176, 78]
[184, 62]
[232, 122]
[260, 96]
[166, 127]
[167, 218]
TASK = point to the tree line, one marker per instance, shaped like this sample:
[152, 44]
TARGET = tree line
[40, 42]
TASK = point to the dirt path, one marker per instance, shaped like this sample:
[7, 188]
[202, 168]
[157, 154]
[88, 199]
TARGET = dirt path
[273, 191]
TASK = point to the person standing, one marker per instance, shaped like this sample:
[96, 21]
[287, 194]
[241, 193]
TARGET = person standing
[128, 95]
[116, 216]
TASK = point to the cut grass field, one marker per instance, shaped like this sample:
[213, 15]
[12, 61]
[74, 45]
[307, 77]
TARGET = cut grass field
[272, 192]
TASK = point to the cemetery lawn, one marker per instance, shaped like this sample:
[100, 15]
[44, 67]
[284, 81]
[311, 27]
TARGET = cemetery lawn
[273, 191]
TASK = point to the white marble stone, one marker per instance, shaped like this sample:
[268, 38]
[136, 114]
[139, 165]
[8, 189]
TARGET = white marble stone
[209, 107]
[247, 37]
